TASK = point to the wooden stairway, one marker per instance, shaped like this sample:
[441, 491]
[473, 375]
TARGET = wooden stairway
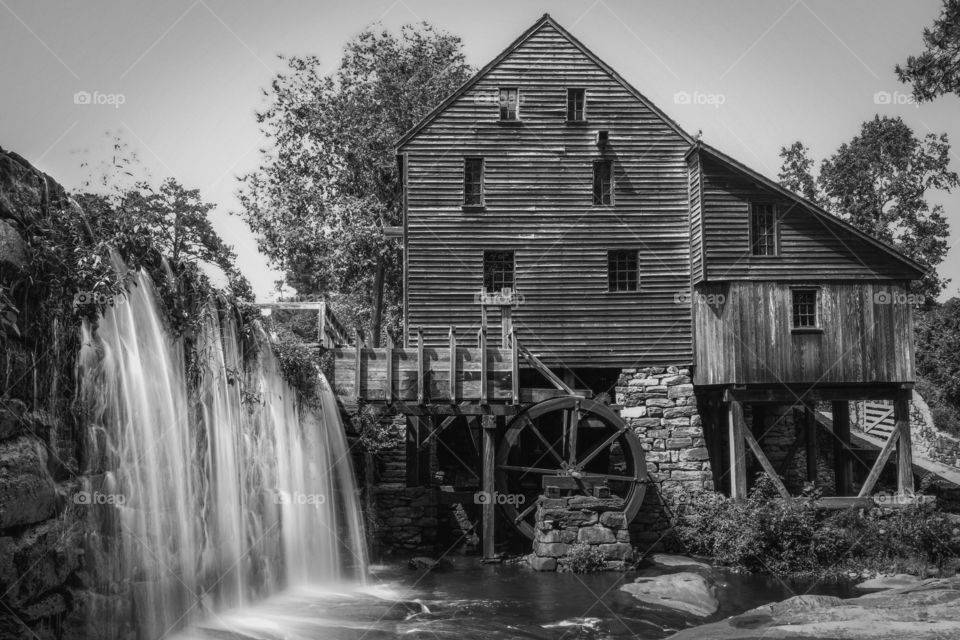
[878, 419]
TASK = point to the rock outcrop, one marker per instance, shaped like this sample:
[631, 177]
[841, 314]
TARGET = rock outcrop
[685, 591]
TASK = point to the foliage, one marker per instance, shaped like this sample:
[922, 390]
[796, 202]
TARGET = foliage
[936, 71]
[298, 363]
[377, 432]
[584, 558]
[937, 332]
[879, 181]
[329, 183]
[792, 538]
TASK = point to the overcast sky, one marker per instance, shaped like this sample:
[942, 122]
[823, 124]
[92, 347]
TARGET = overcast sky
[190, 75]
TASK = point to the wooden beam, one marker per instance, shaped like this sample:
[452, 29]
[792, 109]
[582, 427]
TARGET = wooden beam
[811, 448]
[388, 383]
[843, 465]
[738, 462]
[515, 373]
[901, 417]
[433, 435]
[453, 364]
[877, 469]
[809, 394]
[421, 367]
[765, 463]
[506, 325]
[544, 370]
[482, 345]
[357, 374]
[487, 480]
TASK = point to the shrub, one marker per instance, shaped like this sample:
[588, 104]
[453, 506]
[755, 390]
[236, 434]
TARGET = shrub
[584, 558]
[795, 538]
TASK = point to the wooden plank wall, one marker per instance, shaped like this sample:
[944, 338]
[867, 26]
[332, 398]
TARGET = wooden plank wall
[538, 192]
[809, 246]
[405, 371]
[864, 339]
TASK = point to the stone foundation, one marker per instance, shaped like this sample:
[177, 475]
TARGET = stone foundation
[405, 520]
[564, 522]
[660, 407]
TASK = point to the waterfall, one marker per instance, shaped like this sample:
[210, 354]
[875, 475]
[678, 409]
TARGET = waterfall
[212, 488]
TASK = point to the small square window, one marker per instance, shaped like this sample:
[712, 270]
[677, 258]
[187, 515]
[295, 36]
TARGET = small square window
[763, 230]
[509, 103]
[602, 182]
[805, 308]
[497, 271]
[473, 182]
[622, 270]
[576, 105]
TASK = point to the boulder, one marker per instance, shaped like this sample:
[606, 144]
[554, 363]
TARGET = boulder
[685, 591]
[424, 563]
[27, 492]
[894, 581]
[927, 610]
[541, 564]
[13, 250]
[668, 560]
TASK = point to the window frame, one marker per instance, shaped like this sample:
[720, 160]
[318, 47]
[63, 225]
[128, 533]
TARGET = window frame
[474, 206]
[501, 108]
[583, 106]
[596, 163]
[751, 228]
[635, 255]
[816, 327]
[513, 268]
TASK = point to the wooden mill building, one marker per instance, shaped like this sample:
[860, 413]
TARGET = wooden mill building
[568, 249]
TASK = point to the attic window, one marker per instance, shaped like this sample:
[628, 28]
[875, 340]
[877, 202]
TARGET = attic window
[576, 105]
[602, 182]
[509, 103]
[473, 182]
[763, 230]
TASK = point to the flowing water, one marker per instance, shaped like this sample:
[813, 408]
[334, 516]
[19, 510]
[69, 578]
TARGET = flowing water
[211, 489]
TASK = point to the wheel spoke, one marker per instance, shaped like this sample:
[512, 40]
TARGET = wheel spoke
[542, 439]
[523, 514]
[526, 470]
[597, 450]
[611, 476]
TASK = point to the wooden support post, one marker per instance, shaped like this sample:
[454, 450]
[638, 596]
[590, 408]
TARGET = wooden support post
[901, 418]
[388, 383]
[357, 363]
[515, 372]
[843, 465]
[453, 365]
[487, 480]
[482, 345]
[811, 423]
[421, 367]
[738, 455]
[377, 305]
[506, 325]
[321, 328]
[874, 474]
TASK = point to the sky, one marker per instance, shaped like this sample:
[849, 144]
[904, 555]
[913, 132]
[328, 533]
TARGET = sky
[181, 81]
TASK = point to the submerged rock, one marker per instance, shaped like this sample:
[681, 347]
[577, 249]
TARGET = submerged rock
[929, 609]
[424, 563]
[684, 591]
[895, 581]
[668, 560]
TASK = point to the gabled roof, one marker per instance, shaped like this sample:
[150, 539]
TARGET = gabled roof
[825, 216]
[539, 24]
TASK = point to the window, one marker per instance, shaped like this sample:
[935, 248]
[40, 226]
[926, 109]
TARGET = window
[576, 103]
[602, 192]
[763, 230]
[509, 102]
[473, 182]
[805, 308]
[622, 270]
[497, 271]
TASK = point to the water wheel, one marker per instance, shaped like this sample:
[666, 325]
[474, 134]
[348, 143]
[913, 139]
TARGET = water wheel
[571, 441]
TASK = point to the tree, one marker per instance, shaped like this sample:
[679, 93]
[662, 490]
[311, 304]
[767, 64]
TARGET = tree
[795, 171]
[936, 71]
[938, 362]
[879, 181]
[329, 184]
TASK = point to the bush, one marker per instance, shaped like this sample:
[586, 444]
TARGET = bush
[793, 538]
[584, 558]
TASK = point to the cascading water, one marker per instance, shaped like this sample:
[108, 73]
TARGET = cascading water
[215, 488]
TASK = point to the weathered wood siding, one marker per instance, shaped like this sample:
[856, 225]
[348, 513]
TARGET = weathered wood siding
[538, 196]
[867, 334]
[810, 247]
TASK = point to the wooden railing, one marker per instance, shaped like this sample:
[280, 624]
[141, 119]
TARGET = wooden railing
[330, 332]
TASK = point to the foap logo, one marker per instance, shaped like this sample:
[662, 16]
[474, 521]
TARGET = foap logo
[85, 298]
[899, 297]
[704, 299]
[97, 98]
[95, 497]
[886, 499]
[298, 498]
[485, 497]
[699, 98]
[502, 297]
[493, 97]
[894, 98]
